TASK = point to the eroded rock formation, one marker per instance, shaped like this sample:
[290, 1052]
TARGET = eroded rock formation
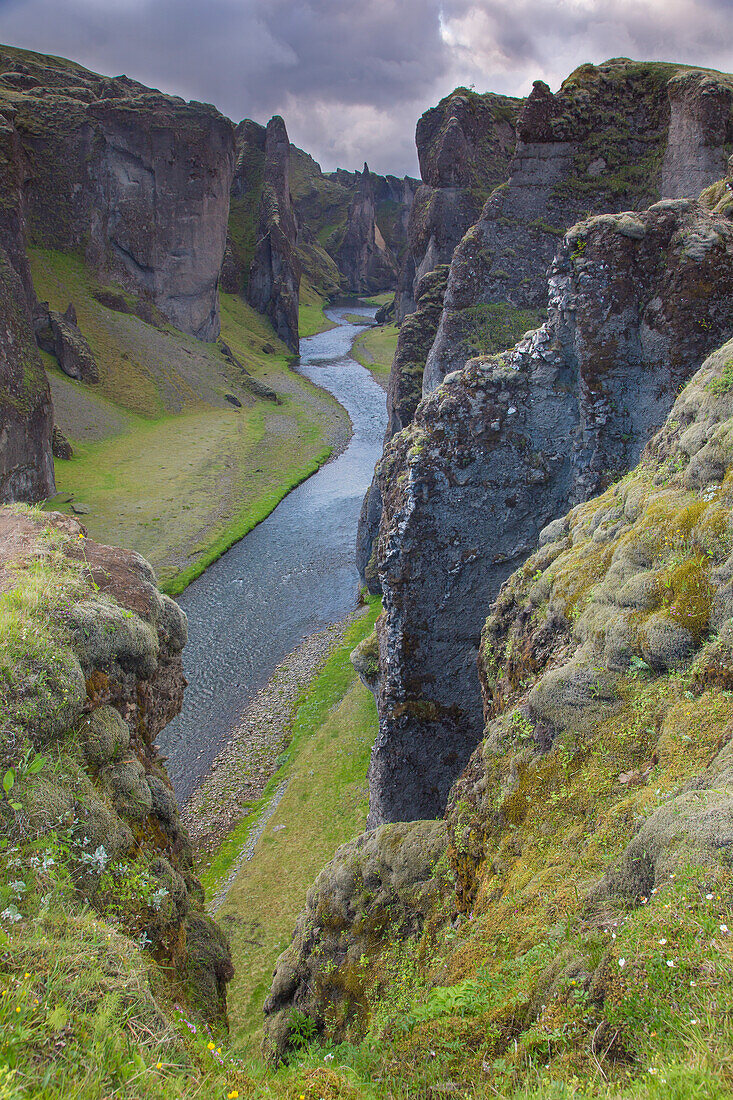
[274, 275]
[505, 445]
[26, 415]
[464, 146]
[136, 179]
[615, 137]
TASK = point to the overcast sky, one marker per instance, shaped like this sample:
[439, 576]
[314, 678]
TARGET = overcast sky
[351, 77]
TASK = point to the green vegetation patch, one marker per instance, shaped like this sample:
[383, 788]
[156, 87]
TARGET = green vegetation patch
[375, 350]
[496, 326]
[166, 465]
[324, 804]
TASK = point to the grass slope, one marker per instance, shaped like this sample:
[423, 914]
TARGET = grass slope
[311, 318]
[324, 804]
[375, 349]
[166, 464]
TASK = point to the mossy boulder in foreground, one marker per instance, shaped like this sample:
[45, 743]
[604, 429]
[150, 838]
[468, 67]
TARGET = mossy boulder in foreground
[90, 672]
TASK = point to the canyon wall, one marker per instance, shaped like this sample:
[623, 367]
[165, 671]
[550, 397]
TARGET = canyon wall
[636, 301]
[464, 147]
[274, 276]
[136, 180]
[615, 137]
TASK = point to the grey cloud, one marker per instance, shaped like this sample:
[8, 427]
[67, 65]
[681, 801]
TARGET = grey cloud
[351, 77]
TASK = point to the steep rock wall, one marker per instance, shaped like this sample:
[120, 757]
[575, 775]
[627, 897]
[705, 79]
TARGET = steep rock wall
[274, 276]
[502, 447]
[26, 415]
[137, 180]
[615, 137]
[464, 146]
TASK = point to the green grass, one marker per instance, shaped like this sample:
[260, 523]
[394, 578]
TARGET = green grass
[375, 349]
[311, 318]
[378, 299]
[324, 805]
[167, 466]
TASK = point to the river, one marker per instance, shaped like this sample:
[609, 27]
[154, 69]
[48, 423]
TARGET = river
[293, 574]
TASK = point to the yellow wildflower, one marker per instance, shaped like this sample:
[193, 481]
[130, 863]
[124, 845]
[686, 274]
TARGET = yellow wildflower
[210, 1046]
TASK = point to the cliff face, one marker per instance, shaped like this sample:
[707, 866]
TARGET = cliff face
[404, 390]
[584, 908]
[26, 415]
[136, 179]
[464, 146]
[274, 276]
[362, 254]
[507, 444]
[615, 137]
[101, 678]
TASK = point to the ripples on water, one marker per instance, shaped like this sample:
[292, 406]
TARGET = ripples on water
[291, 575]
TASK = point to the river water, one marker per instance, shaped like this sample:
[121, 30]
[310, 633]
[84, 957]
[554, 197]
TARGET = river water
[293, 574]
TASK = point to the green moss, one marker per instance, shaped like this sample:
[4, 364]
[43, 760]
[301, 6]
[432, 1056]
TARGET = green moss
[496, 326]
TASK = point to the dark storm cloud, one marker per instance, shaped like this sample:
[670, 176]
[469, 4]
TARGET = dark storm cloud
[351, 77]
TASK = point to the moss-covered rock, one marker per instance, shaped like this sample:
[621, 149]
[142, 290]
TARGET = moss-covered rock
[375, 891]
[90, 672]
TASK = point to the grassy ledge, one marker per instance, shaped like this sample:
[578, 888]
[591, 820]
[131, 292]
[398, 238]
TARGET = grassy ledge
[311, 318]
[375, 349]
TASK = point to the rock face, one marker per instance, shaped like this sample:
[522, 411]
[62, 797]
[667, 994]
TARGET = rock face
[464, 146]
[26, 415]
[506, 445]
[106, 676]
[274, 276]
[362, 254]
[138, 180]
[615, 137]
[379, 885]
[636, 583]
[59, 334]
[414, 341]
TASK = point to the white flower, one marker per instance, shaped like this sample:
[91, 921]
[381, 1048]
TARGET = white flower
[11, 914]
[662, 943]
[622, 963]
[724, 928]
[328, 1057]
[670, 962]
[709, 897]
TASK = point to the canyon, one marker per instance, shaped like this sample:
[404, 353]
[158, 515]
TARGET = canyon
[539, 898]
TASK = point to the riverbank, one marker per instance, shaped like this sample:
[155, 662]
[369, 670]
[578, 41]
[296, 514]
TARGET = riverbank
[315, 799]
[178, 452]
[375, 349]
[291, 576]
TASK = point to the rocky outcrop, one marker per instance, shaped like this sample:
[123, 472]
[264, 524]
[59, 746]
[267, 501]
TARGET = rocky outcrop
[362, 254]
[615, 137]
[274, 275]
[137, 180]
[464, 146]
[404, 391]
[624, 591]
[102, 676]
[26, 415]
[59, 335]
[504, 446]
[380, 885]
